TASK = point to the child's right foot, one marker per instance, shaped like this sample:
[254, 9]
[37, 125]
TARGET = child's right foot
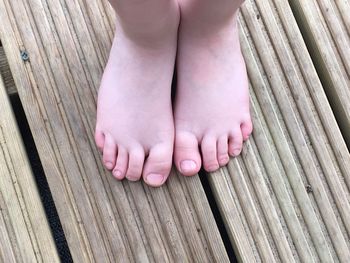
[134, 114]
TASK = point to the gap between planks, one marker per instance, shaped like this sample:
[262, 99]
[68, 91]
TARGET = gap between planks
[26, 235]
[103, 219]
[287, 195]
[325, 25]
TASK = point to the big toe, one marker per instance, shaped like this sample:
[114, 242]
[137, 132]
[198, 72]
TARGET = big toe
[186, 155]
[158, 165]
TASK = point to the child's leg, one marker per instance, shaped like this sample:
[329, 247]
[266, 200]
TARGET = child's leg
[134, 114]
[212, 101]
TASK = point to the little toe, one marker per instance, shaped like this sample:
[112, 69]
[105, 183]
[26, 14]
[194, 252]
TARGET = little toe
[158, 165]
[186, 154]
[235, 143]
[223, 157]
[99, 139]
[246, 129]
[121, 165]
[109, 152]
[135, 166]
[209, 153]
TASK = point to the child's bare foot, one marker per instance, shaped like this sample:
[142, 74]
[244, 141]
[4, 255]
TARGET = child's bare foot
[212, 101]
[134, 114]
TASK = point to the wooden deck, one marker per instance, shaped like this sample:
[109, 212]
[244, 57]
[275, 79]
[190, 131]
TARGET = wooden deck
[25, 233]
[285, 199]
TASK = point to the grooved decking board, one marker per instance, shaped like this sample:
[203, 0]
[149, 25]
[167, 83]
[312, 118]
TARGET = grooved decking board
[286, 198]
[104, 220]
[24, 230]
[6, 73]
[326, 28]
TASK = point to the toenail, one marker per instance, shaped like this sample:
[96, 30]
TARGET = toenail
[236, 152]
[132, 179]
[117, 173]
[213, 168]
[224, 160]
[109, 165]
[188, 166]
[155, 179]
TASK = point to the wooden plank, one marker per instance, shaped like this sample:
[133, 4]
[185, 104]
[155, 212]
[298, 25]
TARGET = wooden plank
[286, 198]
[325, 25]
[104, 220]
[6, 73]
[25, 233]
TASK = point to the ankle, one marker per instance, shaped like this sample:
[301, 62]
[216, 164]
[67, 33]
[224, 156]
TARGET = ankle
[151, 30]
[203, 16]
[211, 32]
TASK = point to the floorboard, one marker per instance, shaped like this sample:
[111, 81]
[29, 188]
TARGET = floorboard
[25, 233]
[67, 43]
[286, 198]
[325, 25]
[287, 195]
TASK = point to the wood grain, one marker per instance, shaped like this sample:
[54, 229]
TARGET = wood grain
[326, 28]
[104, 220]
[25, 233]
[286, 198]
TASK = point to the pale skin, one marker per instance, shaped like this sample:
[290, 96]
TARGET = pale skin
[138, 130]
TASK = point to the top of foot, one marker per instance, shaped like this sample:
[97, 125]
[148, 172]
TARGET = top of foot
[212, 117]
[134, 128]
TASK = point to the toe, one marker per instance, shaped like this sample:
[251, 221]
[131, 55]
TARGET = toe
[235, 143]
[158, 165]
[209, 153]
[136, 160]
[109, 152]
[246, 129]
[99, 139]
[223, 157]
[186, 154]
[121, 165]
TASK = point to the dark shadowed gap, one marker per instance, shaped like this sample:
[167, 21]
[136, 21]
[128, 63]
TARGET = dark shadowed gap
[321, 69]
[219, 221]
[43, 187]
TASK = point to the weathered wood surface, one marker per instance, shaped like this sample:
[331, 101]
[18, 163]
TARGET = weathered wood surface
[287, 197]
[326, 28]
[6, 73]
[104, 220]
[24, 230]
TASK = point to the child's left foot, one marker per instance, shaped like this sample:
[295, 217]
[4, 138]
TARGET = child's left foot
[212, 101]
